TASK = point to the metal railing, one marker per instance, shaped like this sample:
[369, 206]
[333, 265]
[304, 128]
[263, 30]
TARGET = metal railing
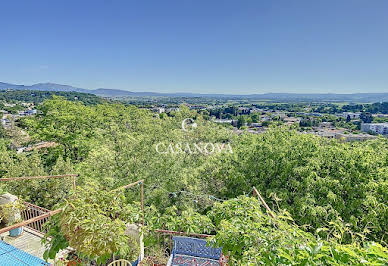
[32, 211]
[120, 262]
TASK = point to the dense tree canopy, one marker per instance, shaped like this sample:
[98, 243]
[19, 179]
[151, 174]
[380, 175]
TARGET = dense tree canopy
[323, 184]
[39, 96]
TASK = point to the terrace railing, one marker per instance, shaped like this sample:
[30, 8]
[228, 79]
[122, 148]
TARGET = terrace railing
[32, 211]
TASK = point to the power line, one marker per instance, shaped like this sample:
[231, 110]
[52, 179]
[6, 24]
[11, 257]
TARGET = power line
[176, 194]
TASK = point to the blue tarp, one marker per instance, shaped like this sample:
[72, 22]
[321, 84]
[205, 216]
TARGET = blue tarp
[11, 256]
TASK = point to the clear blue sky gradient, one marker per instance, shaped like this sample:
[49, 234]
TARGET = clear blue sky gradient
[205, 46]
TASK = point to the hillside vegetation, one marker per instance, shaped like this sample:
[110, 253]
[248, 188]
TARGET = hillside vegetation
[330, 198]
[36, 96]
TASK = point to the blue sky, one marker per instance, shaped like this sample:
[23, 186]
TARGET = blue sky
[205, 46]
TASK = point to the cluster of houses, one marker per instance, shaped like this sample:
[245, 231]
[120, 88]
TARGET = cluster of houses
[6, 117]
[325, 129]
[160, 110]
[5, 122]
[339, 133]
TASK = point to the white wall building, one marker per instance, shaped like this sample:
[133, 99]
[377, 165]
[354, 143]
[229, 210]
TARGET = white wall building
[158, 110]
[378, 128]
[351, 115]
[5, 122]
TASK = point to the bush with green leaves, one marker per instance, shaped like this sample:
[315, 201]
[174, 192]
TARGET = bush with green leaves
[93, 221]
[317, 180]
[251, 237]
[188, 221]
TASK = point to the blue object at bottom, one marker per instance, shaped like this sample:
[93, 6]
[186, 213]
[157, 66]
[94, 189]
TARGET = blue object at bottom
[11, 256]
[16, 232]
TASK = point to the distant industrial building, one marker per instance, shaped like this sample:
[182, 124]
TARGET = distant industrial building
[377, 128]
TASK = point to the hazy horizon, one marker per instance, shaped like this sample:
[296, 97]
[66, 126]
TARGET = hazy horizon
[188, 92]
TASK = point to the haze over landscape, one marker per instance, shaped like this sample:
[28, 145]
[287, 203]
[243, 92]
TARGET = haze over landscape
[285, 97]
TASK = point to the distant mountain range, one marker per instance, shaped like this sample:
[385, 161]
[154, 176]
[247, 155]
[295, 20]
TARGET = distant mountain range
[282, 97]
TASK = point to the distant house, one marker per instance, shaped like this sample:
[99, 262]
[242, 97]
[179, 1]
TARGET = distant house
[374, 115]
[5, 122]
[28, 112]
[377, 128]
[172, 109]
[226, 121]
[329, 133]
[244, 110]
[255, 124]
[326, 134]
[325, 124]
[223, 121]
[291, 120]
[279, 114]
[354, 137]
[350, 114]
[256, 110]
[197, 107]
[314, 114]
[31, 112]
[265, 118]
[158, 110]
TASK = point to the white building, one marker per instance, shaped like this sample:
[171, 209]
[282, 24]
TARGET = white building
[28, 112]
[158, 110]
[350, 114]
[378, 128]
[5, 122]
[255, 124]
[354, 137]
[256, 110]
[172, 109]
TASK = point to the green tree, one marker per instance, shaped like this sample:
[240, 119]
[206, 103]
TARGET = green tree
[241, 121]
[366, 117]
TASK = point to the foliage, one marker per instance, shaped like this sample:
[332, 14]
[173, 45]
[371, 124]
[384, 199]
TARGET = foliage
[250, 237]
[188, 221]
[316, 180]
[44, 193]
[9, 212]
[54, 239]
[366, 117]
[241, 121]
[93, 221]
[40, 96]
[335, 190]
